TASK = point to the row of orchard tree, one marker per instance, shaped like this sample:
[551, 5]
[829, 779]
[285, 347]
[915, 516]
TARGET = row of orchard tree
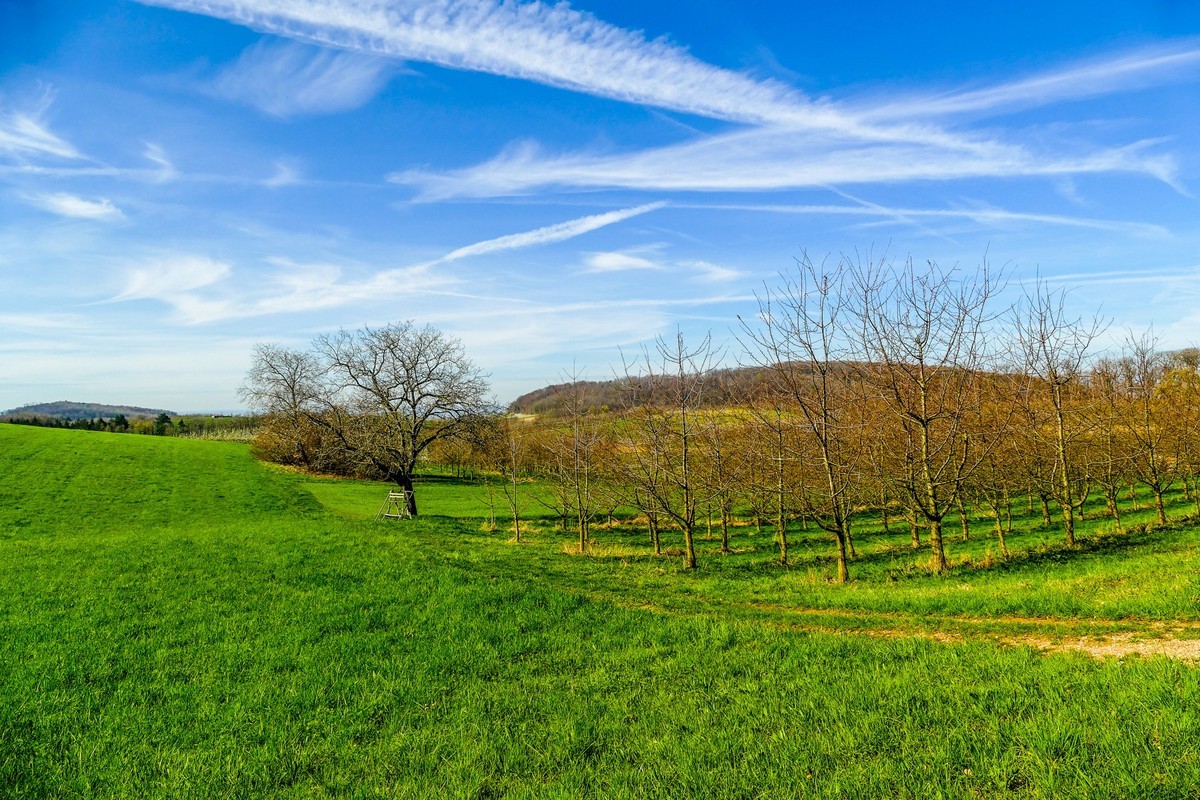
[868, 390]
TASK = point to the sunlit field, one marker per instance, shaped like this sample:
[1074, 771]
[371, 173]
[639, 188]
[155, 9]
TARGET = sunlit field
[179, 620]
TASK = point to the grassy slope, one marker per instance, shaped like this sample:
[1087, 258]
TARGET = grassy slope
[1112, 582]
[179, 621]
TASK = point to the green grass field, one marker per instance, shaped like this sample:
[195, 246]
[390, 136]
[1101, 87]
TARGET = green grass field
[178, 620]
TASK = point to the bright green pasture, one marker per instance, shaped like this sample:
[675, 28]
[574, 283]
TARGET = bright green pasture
[1111, 581]
[177, 620]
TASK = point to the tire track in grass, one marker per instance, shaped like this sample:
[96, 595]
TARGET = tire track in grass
[1099, 638]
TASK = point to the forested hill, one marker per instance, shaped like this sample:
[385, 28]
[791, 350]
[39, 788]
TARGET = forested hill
[720, 389]
[70, 410]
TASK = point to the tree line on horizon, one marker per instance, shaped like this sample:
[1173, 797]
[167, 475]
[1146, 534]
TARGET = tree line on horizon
[163, 424]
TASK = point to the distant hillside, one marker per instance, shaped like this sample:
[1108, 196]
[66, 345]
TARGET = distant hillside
[69, 410]
[721, 388]
[547, 400]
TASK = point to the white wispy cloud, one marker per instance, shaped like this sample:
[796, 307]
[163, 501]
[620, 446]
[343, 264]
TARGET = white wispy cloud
[636, 259]
[1178, 278]
[285, 175]
[761, 159]
[286, 79]
[558, 232]
[987, 215]
[55, 321]
[24, 133]
[714, 273]
[550, 44]
[296, 287]
[69, 205]
[156, 155]
[1167, 63]
[572, 326]
[172, 276]
[619, 261]
[562, 47]
[200, 291]
[842, 142]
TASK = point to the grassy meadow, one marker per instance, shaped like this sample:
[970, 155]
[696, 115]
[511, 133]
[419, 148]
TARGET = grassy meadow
[178, 620]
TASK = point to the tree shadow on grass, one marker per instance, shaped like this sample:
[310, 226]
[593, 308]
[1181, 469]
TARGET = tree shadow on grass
[1100, 545]
[445, 480]
[757, 556]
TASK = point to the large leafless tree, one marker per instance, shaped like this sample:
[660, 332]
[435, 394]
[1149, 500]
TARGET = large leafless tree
[383, 395]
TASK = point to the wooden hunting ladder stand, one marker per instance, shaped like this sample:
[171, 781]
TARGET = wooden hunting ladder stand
[395, 506]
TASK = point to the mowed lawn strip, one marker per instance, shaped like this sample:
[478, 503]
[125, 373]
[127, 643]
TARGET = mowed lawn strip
[177, 620]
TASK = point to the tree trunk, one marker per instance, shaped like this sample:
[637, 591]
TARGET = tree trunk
[939, 550]
[406, 483]
[1066, 498]
[781, 523]
[842, 568]
[1000, 535]
[724, 526]
[689, 559]
[1114, 510]
[962, 516]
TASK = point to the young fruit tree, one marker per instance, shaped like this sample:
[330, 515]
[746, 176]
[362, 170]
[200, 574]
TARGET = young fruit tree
[801, 342]
[382, 395]
[1052, 352]
[924, 332]
[661, 433]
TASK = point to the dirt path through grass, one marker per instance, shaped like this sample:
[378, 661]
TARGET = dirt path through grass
[1178, 639]
[1121, 645]
[1099, 638]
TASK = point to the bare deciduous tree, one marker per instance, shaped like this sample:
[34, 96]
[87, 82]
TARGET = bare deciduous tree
[572, 454]
[383, 395]
[923, 337]
[1179, 391]
[662, 434]
[802, 341]
[1156, 460]
[288, 385]
[1052, 349]
[513, 467]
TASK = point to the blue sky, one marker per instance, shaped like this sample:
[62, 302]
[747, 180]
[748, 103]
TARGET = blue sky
[557, 184]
